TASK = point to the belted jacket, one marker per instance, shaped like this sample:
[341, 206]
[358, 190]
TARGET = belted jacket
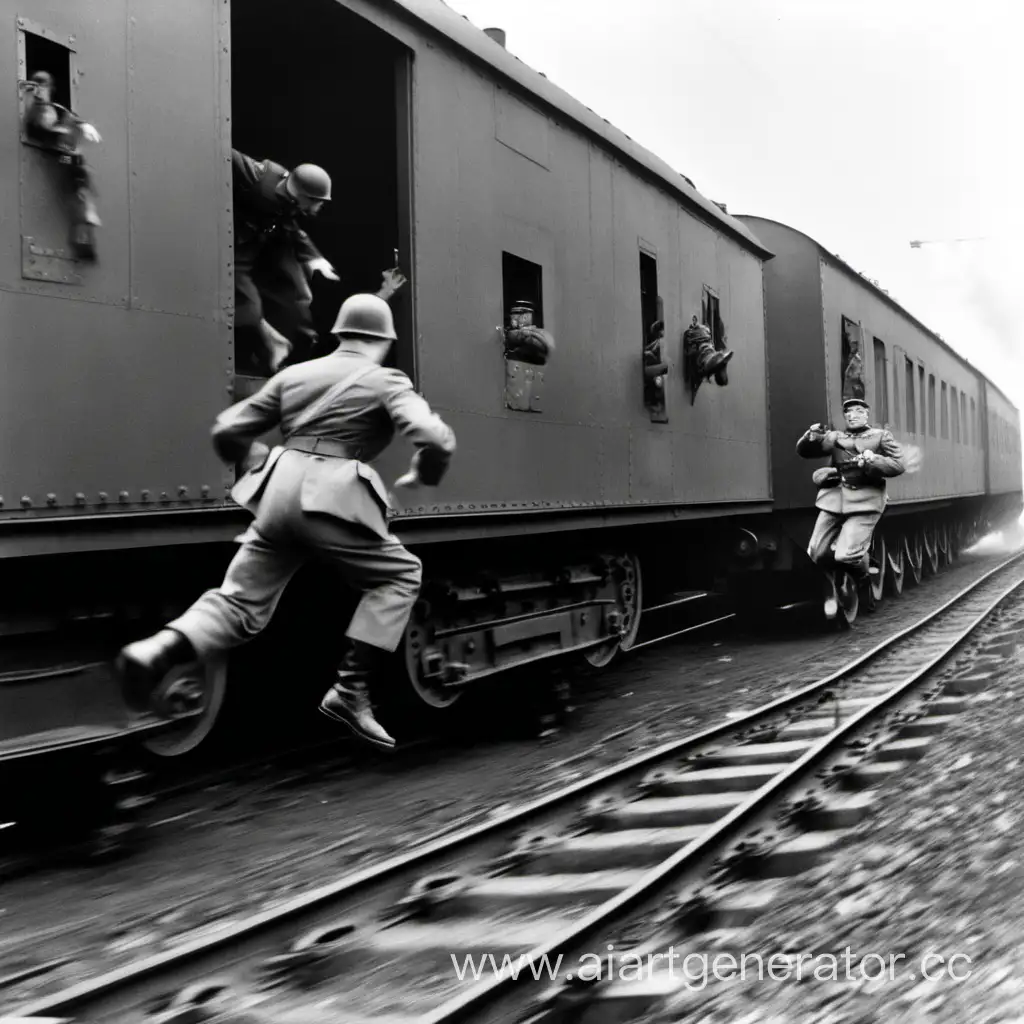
[339, 439]
[859, 488]
[262, 215]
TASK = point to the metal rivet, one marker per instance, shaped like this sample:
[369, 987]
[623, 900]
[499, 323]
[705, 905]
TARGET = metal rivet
[104, 497]
[205, 490]
[145, 494]
[122, 496]
[51, 499]
[79, 498]
[182, 491]
[26, 502]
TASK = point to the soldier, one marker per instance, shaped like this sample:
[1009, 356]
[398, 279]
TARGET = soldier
[314, 496]
[852, 495]
[273, 256]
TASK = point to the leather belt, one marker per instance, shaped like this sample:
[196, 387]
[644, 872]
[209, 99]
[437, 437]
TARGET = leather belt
[324, 446]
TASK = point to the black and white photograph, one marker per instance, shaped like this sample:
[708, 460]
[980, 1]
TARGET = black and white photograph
[511, 512]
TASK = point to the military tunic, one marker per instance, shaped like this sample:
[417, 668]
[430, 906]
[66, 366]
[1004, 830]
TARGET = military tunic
[316, 496]
[271, 251]
[851, 504]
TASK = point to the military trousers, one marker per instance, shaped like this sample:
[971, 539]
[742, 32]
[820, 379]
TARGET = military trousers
[271, 285]
[276, 545]
[851, 535]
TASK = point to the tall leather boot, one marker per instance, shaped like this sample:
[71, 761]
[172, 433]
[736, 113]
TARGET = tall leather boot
[143, 664]
[348, 700]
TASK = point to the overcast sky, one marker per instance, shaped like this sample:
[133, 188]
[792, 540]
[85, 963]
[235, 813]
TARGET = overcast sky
[864, 123]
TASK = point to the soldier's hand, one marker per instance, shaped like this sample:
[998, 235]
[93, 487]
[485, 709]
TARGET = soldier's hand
[410, 480]
[868, 456]
[90, 134]
[324, 267]
[392, 280]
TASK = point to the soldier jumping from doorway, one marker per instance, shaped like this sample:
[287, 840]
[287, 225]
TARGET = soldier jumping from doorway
[275, 258]
[314, 496]
[852, 494]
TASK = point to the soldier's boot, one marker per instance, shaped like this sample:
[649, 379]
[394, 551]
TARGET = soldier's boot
[710, 361]
[348, 700]
[143, 664]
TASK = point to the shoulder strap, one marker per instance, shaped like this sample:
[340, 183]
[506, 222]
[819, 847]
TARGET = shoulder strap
[329, 397]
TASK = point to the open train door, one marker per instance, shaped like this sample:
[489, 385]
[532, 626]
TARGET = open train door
[313, 82]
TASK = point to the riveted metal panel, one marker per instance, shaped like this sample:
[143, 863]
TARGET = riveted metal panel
[105, 408]
[176, 202]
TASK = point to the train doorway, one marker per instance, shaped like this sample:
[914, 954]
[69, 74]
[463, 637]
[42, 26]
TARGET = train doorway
[312, 82]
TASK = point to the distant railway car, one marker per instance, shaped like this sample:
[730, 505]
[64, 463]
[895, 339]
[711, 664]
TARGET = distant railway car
[584, 489]
[832, 335]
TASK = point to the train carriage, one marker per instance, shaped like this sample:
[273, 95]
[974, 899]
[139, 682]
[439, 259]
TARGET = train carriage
[832, 335]
[581, 487]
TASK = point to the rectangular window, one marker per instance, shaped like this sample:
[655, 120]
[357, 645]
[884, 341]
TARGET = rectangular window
[911, 403]
[881, 383]
[956, 416]
[711, 310]
[945, 412]
[853, 359]
[920, 398]
[40, 52]
[522, 284]
[974, 422]
[964, 434]
[931, 404]
[652, 333]
[896, 391]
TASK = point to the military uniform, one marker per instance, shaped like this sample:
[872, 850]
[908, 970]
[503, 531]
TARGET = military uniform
[271, 251]
[852, 497]
[314, 496]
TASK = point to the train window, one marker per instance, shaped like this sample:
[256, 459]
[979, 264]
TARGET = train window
[522, 282]
[920, 397]
[931, 404]
[40, 53]
[881, 383]
[956, 416]
[853, 359]
[712, 316]
[965, 433]
[944, 412]
[652, 335]
[974, 421]
[896, 391]
[911, 404]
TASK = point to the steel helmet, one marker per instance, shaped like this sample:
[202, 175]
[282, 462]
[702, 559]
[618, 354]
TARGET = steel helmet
[312, 181]
[368, 316]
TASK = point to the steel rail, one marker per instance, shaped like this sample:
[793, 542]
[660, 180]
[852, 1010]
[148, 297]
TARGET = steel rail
[687, 860]
[126, 982]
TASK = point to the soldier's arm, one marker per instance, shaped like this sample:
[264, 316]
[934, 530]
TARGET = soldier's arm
[237, 428]
[305, 250]
[888, 460]
[816, 448]
[245, 171]
[416, 421]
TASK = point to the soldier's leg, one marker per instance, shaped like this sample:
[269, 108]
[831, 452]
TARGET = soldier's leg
[389, 577]
[826, 529]
[853, 547]
[288, 301]
[222, 618]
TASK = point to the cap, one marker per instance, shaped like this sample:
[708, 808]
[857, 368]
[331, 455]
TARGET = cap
[851, 402]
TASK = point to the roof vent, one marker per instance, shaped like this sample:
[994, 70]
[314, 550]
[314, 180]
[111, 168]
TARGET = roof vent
[497, 34]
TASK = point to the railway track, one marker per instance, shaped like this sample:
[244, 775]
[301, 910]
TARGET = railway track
[640, 855]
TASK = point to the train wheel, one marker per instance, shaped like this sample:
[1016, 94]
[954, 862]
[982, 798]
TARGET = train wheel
[199, 689]
[849, 600]
[942, 544]
[632, 599]
[431, 691]
[913, 557]
[876, 586]
[895, 566]
[931, 551]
